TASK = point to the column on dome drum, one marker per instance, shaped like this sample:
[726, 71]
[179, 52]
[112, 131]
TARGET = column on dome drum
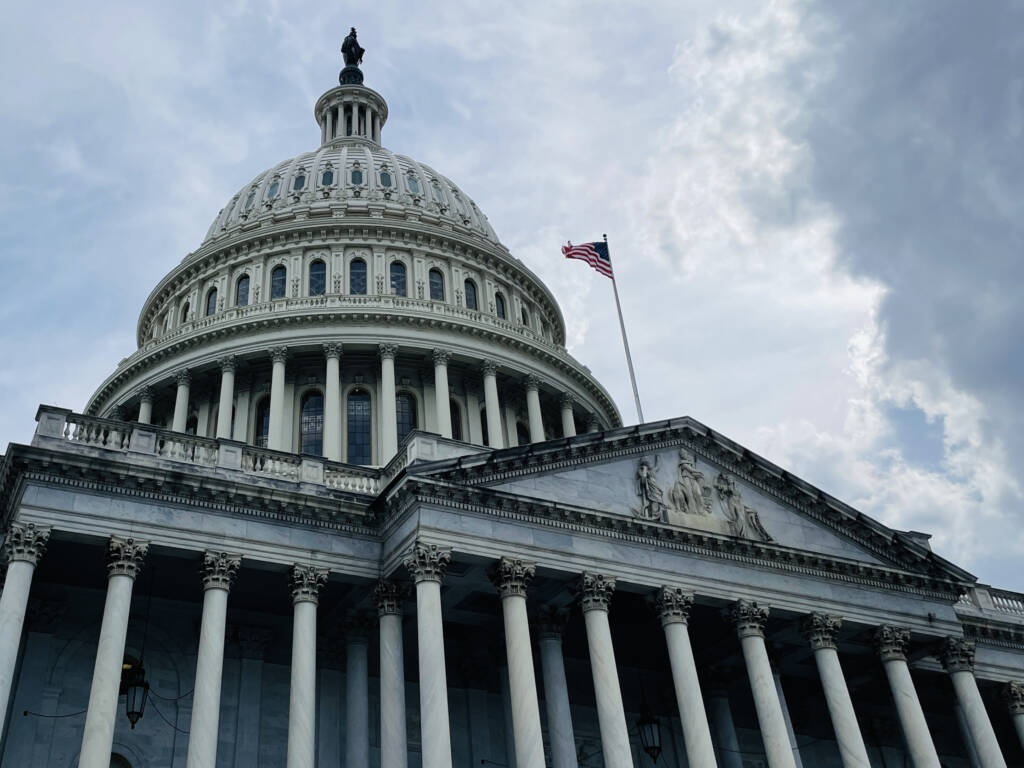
[491, 405]
[389, 415]
[332, 402]
[180, 418]
[566, 402]
[275, 432]
[533, 411]
[24, 544]
[124, 559]
[145, 405]
[443, 409]
[227, 397]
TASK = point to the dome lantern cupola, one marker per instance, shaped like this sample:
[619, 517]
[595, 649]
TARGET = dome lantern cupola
[351, 112]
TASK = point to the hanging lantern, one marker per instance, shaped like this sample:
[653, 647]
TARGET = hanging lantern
[650, 736]
[136, 689]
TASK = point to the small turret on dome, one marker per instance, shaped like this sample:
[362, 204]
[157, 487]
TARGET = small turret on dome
[351, 112]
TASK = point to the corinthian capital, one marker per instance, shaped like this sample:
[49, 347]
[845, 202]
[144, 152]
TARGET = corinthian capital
[956, 654]
[674, 605]
[489, 367]
[892, 643]
[748, 617]
[145, 394]
[427, 562]
[306, 581]
[594, 591]
[26, 542]
[279, 354]
[333, 351]
[227, 363]
[821, 629]
[566, 400]
[532, 382]
[125, 556]
[183, 377]
[511, 576]
[387, 351]
[441, 356]
[389, 596]
[1013, 693]
[219, 569]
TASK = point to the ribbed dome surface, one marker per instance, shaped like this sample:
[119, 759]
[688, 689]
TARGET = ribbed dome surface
[354, 177]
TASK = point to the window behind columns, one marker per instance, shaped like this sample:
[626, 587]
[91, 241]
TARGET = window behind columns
[483, 426]
[522, 434]
[262, 428]
[311, 424]
[317, 278]
[357, 277]
[499, 305]
[436, 285]
[398, 279]
[405, 414]
[470, 287]
[358, 407]
[242, 291]
[456, 420]
[184, 313]
[211, 302]
[278, 282]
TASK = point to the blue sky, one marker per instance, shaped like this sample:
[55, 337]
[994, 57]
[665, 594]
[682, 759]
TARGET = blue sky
[815, 208]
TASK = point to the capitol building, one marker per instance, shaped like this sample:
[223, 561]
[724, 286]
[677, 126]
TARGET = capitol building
[352, 504]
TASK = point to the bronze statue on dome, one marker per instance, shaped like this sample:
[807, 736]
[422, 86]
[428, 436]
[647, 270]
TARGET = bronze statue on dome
[351, 50]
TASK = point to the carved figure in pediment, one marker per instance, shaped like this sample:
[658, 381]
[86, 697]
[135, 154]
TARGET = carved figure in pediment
[743, 520]
[652, 498]
[690, 495]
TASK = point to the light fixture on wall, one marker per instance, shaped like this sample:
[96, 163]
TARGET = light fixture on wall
[136, 689]
[650, 735]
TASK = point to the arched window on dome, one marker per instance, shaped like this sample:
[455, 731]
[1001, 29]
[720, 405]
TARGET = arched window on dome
[412, 184]
[278, 282]
[436, 285]
[273, 189]
[327, 177]
[526, 316]
[357, 175]
[385, 178]
[405, 413]
[358, 413]
[242, 291]
[398, 279]
[183, 317]
[456, 415]
[470, 288]
[522, 433]
[250, 200]
[311, 424]
[261, 430]
[211, 302]
[499, 305]
[317, 278]
[300, 182]
[357, 277]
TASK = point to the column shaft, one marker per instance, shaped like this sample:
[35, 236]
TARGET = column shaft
[302, 700]
[393, 741]
[357, 704]
[610, 713]
[840, 708]
[332, 407]
[534, 414]
[495, 439]
[522, 684]
[978, 722]
[275, 430]
[443, 408]
[227, 398]
[389, 419]
[436, 732]
[202, 742]
[13, 603]
[1018, 724]
[696, 732]
[790, 733]
[915, 727]
[729, 755]
[556, 700]
[180, 419]
[568, 420]
[145, 410]
[767, 704]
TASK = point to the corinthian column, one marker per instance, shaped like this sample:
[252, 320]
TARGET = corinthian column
[275, 429]
[556, 691]
[227, 397]
[427, 564]
[145, 405]
[495, 438]
[595, 595]
[357, 695]
[1014, 695]
[389, 417]
[957, 656]
[750, 619]
[566, 402]
[218, 570]
[674, 608]
[332, 403]
[393, 743]
[821, 629]
[306, 582]
[124, 558]
[180, 419]
[24, 544]
[533, 409]
[892, 645]
[511, 577]
[442, 406]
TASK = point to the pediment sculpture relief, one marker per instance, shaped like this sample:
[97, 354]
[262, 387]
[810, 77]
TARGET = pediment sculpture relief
[689, 502]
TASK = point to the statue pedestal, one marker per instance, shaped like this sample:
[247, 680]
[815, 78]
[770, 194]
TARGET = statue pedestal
[351, 75]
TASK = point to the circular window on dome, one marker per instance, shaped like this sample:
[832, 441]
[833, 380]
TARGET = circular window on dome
[300, 183]
[273, 189]
[327, 178]
[385, 179]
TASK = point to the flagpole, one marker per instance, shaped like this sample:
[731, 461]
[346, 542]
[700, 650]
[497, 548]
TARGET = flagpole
[625, 341]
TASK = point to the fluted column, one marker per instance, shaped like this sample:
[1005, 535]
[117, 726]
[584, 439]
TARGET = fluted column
[511, 577]
[275, 429]
[750, 619]
[442, 406]
[145, 405]
[24, 544]
[180, 419]
[821, 629]
[427, 564]
[357, 696]
[892, 645]
[332, 403]
[124, 559]
[218, 570]
[394, 750]
[389, 418]
[227, 397]
[306, 582]
[556, 692]
[1013, 693]
[495, 438]
[565, 402]
[595, 594]
[957, 657]
[674, 608]
[533, 409]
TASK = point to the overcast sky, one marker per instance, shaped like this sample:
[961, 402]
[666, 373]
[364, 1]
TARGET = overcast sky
[815, 209]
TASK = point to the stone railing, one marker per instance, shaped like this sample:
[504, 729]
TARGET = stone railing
[60, 428]
[989, 602]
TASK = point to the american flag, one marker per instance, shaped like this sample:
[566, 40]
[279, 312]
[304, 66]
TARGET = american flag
[595, 254]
